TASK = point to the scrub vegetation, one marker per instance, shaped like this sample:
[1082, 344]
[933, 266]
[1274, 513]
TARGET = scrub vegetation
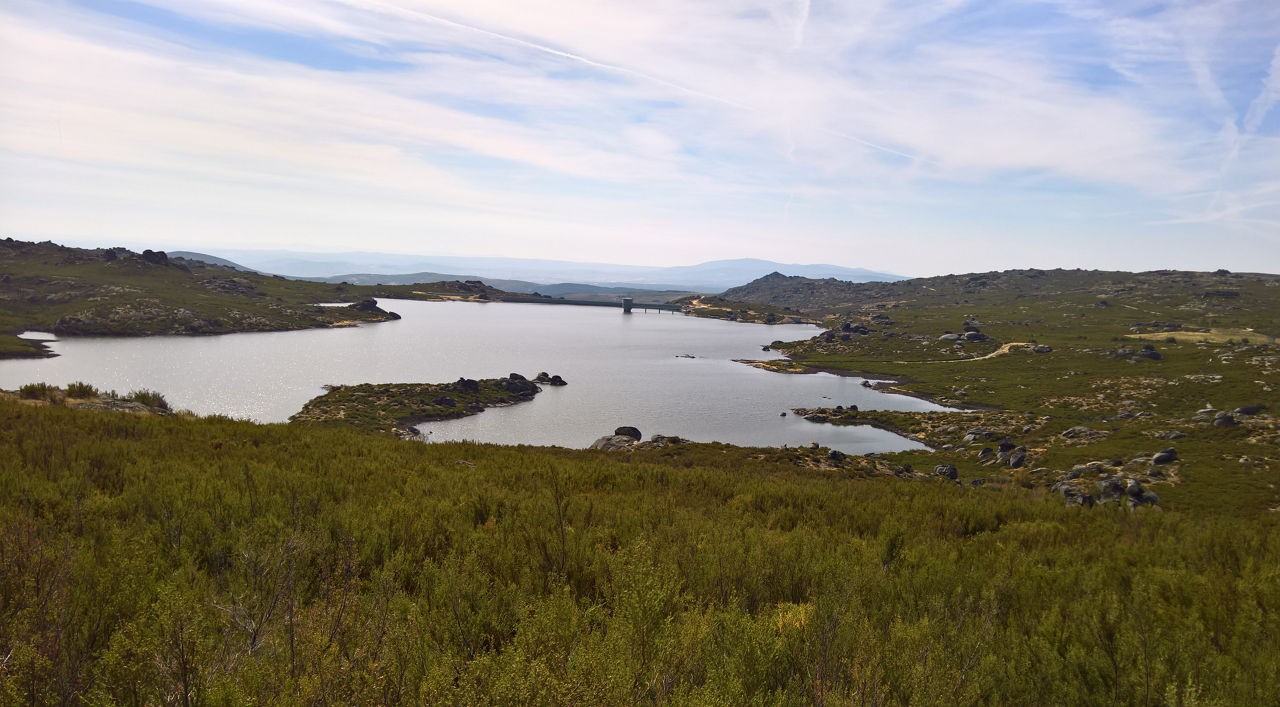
[150, 559]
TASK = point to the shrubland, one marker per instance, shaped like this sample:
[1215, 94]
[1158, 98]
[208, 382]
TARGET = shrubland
[167, 559]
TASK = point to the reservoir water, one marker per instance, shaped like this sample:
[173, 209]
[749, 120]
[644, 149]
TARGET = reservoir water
[622, 370]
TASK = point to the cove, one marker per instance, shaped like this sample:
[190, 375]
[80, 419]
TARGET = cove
[622, 370]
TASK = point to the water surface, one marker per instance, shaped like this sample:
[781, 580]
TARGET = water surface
[622, 370]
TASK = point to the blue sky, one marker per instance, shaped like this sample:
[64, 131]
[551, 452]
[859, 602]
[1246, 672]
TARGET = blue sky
[919, 138]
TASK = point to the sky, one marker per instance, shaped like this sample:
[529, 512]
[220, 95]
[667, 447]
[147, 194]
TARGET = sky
[911, 137]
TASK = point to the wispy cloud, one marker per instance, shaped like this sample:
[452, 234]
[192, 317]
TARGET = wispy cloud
[913, 137]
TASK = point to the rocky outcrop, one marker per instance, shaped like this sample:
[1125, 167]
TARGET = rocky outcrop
[155, 257]
[1147, 352]
[517, 384]
[612, 443]
[370, 306]
[1115, 489]
[628, 439]
[1083, 434]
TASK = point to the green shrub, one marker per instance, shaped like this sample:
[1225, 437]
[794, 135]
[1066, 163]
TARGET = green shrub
[80, 389]
[40, 391]
[148, 397]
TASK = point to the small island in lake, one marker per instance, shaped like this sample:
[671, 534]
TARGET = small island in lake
[396, 407]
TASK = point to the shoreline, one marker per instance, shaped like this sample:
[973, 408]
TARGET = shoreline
[808, 414]
[40, 348]
[880, 382]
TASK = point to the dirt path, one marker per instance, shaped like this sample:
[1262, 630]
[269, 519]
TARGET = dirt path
[1006, 348]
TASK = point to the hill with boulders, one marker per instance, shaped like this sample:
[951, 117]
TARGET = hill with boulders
[117, 292]
[827, 296]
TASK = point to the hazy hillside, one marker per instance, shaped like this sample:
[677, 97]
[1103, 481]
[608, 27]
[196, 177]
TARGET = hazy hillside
[714, 276]
[210, 259]
[419, 277]
[730, 273]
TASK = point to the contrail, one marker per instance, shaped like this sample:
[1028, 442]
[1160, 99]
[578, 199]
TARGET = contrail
[557, 52]
[1267, 98]
[797, 32]
[617, 69]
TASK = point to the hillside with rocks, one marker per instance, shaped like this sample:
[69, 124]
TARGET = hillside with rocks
[1220, 290]
[117, 292]
[1091, 385]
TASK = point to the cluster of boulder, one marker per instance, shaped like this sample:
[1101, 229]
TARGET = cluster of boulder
[517, 384]
[1224, 418]
[514, 384]
[848, 330]
[545, 379]
[1005, 453]
[1083, 434]
[1113, 489]
[970, 334]
[629, 438]
[232, 286]
[1147, 352]
[1114, 484]
[370, 306]
[155, 257]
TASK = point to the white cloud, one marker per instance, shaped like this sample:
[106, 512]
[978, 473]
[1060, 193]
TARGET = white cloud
[545, 126]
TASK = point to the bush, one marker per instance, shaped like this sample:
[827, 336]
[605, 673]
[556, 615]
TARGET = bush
[80, 389]
[40, 391]
[149, 397]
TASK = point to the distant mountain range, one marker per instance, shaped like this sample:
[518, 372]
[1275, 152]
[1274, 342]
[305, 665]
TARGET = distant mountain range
[521, 274]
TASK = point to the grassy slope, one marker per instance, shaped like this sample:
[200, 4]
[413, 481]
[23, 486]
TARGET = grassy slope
[42, 284]
[149, 559]
[1081, 382]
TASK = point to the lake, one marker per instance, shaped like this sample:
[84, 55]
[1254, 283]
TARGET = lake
[621, 370]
